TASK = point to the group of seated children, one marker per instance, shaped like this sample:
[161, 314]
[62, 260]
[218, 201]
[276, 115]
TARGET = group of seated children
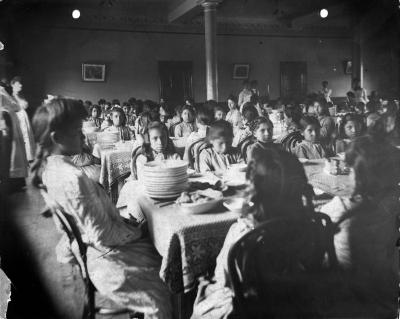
[124, 265]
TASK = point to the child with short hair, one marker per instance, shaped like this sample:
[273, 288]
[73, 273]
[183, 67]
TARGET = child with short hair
[95, 115]
[249, 114]
[219, 113]
[187, 125]
[119, 125]
[310, 147]
[221, 154]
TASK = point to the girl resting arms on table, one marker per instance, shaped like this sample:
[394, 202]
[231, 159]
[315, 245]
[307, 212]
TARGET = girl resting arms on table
[221, 154]
[277, 185]
[122, 264]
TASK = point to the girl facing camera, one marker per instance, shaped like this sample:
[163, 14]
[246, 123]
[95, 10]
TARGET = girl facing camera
[351, 127]
[123, 265]
[118, 119]
[277, 186]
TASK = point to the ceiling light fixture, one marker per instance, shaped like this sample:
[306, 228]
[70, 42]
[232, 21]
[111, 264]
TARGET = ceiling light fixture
[1, 46]
[323, 13]
[76, 14]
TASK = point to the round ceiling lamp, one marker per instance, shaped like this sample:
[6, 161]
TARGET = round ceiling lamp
[76, 14]
[1, 46]
[323, 13]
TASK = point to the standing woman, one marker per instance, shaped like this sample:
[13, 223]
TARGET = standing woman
[359, 92]
[25, 125]
[18, 161]
[233, 116]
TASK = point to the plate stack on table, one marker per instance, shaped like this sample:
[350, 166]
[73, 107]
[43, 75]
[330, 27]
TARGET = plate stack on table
[107, 139]
[165, 179]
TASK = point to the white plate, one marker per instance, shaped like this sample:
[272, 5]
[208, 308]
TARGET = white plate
[195, 208]
[234, 204]
[241, 167]
[318, 192]
[235, 183]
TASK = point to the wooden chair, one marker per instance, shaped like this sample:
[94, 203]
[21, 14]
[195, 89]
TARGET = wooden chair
[197, 149]
[171, 130]
[244, 145]
[290, 141]
[285, 268]
[66, 223]
[135, 153]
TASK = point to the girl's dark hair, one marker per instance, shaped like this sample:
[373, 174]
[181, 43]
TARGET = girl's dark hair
[278, 185]
[97, 107]
[254, 125]
[204, 116]
[189, 108]
[356, 118]
[220, 129]
[249, 111]
[232, 98]
[116, 101]
[101, 101]
[57, 115]
[16, 79]
[294, 113]
[146, 148]
[309, 120]
[376, 166]
[121, 114]
[324, 107]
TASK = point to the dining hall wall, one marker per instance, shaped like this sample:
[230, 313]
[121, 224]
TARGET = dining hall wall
[51, 62]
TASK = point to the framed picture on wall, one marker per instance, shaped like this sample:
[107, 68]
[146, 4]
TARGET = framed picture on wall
[241, 71]
[93, 72]
[348, 67]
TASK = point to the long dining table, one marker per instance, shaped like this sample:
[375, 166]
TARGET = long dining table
[189, 243]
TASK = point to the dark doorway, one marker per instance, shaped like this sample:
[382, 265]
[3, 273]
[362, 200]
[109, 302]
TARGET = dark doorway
[293, 80]
[175, 81]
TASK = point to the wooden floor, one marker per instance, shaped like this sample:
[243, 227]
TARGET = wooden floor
[41, 287]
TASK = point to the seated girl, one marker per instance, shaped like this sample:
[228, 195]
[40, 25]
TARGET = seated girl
[371, 212]
[187, 125]
[277, 186]
[95, 115]
[107, 122]
[262, 129]
[160, 147]
[328, 126]
[310, 147]
[123, 265]
[249, 114]
[219, 113]
[351, 127]
[220, 155]
[119, 125]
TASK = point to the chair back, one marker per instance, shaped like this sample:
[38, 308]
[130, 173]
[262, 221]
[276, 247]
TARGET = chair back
[244, 145]
[135, 153]
[290, 141]
[284, 269]
[190, 152]
[197, 149]
[172, 129]
[66, 223]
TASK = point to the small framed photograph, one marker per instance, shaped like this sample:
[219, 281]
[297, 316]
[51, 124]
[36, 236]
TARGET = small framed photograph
[93, 72]
[241, 71]
[348, 67]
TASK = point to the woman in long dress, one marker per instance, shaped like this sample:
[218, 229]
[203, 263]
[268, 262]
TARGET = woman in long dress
[25, 125]
[18, 161]
[123, 264]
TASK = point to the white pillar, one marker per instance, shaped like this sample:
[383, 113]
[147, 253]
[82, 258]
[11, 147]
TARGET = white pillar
[210, 26]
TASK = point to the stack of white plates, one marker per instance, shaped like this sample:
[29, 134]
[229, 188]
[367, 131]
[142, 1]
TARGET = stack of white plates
[165, 179]
[108, 139]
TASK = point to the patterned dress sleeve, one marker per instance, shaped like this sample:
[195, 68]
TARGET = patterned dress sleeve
[205, 161]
